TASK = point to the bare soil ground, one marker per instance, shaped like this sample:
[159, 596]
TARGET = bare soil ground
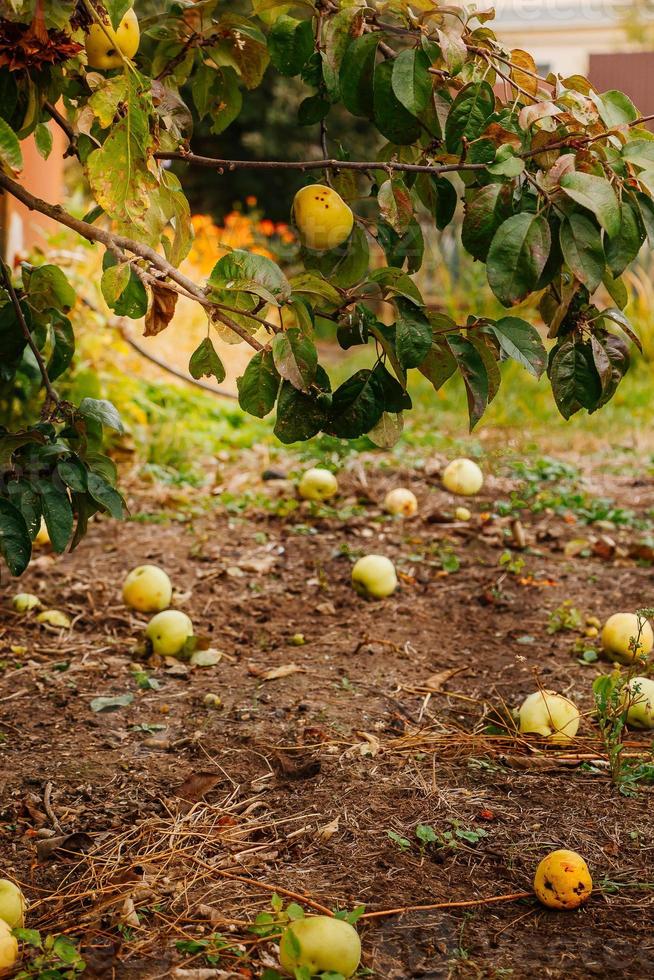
[167, 821]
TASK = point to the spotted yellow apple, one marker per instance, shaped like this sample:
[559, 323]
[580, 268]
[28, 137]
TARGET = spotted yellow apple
[317, 484]
[25, 602]
[8, 949]
[618, 632]
[639, 698]
[562, 880]
[374, 576]
[12, 904]
[104, 45]
[322, 217]
[549, 714]
[168, 632]
[401, 502]
[463, 477]
[320, 944]
[147, 588]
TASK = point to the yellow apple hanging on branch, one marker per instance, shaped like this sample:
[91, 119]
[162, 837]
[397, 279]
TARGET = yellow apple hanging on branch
[549, 714]
[168, 632]
[463, 477]
[562, 880]
[322, 218]
[106, 48]
[147, 588]
[374, 577]
[401, 502]
[317, 484]
[321, 944]
[620, 635]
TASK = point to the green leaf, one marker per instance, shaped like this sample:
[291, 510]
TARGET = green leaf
[73, 474]
[616, 289]
[395, 282]
[25, 499]
[339, 30]
[474, 374]
[49, 289]
[43, 140]
[344, 266]
[290, 44]
[615, 108]
[413, 333]
[521, 342]
[357, 75]
[105, 495]
[396, 399]
[295, 357]
[440, 364]
[205, 362]
[57, 514]
[581, 244]
[487, 351]
[258, 387]
[411, 81]
[640, 152]
[312, 110]
[646, 209]
[314, 285]
[517, 257]
[468, 115]
[228, 101]
[596, 195]
[623, 248]
[357, 405]
[251, 273]
[439, 196]
[390, 117]
[388, 430]
[15, 544]
[299, 416]
[114, 282]
[63, 346]
[132, 300]
[11, 157]
[395, 205]
[101, 411]
[485, 210]
[575, 381]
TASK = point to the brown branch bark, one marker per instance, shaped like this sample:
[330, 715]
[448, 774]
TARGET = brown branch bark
[326, 164]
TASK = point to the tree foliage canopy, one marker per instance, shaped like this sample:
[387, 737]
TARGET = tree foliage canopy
[555, 178]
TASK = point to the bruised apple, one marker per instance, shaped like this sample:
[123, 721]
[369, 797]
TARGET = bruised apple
[317, 484]
[168, 632]
[562, 880]
[8, 949]
[617, 633]
[147, 588]
[12, 904]
[549, 714]
[374, 576]
[639, 697]
[463, 477]
[322, 218]
[320, 944]
[104, 45]
[401, 502]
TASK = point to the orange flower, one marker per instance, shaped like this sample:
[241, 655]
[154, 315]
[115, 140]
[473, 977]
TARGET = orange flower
[267, 227]
[251, 201]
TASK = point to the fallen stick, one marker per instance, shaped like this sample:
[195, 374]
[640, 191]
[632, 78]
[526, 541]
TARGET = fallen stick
[513, 897]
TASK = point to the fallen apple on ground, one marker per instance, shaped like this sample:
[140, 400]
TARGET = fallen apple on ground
[639, 697]
[317, 484]
[147, 588]
[374, 576]
[463, 477]
[168, 632]
[322, 218]
[617, 633]
[462, 514]
[8, 949]
[321, 944]
[54, 617]
[12, 904]
[562, 880]
[549, 714]
[25, 602]
[104, 45]
[401, 502]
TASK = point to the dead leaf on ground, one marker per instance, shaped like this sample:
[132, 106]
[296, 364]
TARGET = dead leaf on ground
[161, 311]
[275, 673]
[370, 746]
[73, 844]
[436, 682]
[328, 830]
[296, 768]
[196, 786]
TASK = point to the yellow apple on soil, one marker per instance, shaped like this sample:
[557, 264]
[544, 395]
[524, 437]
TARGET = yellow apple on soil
[322, 945]
[639, 696]
[168, 632]
[317, 484]
[462, 514]
[401, 502]
[463, 476]
[8, 949]
[147, 588]
[374, 576]
[617, 632]
[25, 602]
[103, 51]
[562, 880]
[549, 714]
[12, 904]
[322, 217]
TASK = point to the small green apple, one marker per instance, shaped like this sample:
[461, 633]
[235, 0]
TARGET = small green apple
[25, 602]
[549, 714]
[463, 477]
[147, 588]
[321, 944]
[639, 696]
[318, 484]
[168, 632]
[374, 576]
[619, 630]
[8, 949]
[401, 502]
[12, 904]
